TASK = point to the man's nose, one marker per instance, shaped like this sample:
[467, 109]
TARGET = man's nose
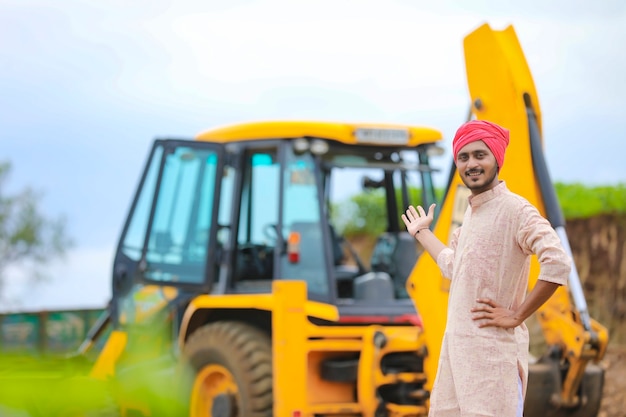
[472, 162]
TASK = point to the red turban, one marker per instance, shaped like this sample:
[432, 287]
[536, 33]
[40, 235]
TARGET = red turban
[494, 136]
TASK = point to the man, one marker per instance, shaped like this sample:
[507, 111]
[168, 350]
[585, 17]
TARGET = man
[483, 366]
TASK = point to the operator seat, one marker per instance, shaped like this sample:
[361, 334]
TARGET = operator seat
[343, 271]
[396, 254]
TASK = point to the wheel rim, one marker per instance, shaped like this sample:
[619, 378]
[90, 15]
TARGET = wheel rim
[214, 388]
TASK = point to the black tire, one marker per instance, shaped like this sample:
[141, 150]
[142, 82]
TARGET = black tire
[242, 353]
[545, 380]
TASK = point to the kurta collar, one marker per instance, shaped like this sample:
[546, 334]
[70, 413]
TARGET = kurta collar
[480, 199]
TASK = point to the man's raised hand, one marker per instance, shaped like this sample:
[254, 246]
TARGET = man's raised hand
[416, 219]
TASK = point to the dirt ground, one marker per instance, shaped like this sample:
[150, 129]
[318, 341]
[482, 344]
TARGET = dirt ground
[614, 397]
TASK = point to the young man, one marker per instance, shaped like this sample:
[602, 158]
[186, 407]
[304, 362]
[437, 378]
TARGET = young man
[483, 366]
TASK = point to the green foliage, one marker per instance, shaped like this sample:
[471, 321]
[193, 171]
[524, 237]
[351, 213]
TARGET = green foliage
[27, 237]
[52, 387]
[365, 213]
[415, 196]
[362, 214]
[581, 201]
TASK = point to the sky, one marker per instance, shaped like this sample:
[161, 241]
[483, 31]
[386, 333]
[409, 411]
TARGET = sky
[86, 86]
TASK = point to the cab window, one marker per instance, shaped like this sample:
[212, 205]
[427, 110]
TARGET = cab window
[305, 255]
[258, 217]
[177, 241]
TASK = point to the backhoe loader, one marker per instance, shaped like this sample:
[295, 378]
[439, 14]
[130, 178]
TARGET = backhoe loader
[238, 292]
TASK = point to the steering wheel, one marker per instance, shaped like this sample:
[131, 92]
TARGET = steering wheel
[270, 231]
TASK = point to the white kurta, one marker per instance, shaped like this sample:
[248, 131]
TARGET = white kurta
[489, 257]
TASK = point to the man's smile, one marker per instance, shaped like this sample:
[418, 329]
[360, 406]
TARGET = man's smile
[474, 173]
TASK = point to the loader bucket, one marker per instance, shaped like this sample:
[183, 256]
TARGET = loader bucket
[545, 382]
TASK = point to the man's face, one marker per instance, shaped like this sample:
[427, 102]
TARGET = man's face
[477, 167]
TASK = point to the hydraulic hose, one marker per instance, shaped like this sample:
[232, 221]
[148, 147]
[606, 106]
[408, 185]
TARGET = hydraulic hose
[553, 209]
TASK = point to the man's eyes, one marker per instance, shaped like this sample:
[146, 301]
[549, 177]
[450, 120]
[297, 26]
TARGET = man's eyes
[478, 155]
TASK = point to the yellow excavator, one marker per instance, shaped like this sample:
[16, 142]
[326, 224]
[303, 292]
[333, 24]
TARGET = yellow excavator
[240, 287]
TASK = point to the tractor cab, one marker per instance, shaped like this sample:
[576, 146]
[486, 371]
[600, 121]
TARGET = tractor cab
[243, 206]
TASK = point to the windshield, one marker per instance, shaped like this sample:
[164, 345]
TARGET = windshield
[366, 189]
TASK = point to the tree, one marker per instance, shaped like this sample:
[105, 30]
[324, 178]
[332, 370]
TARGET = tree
[27, 237]
[364, 213]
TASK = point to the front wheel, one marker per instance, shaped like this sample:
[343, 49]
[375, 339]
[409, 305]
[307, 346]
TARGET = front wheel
[232, 364]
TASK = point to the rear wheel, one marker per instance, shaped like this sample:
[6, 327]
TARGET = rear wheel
[544, 382]
[232, 364]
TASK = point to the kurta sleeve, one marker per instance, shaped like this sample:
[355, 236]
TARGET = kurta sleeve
[536, 236]
[445, 260]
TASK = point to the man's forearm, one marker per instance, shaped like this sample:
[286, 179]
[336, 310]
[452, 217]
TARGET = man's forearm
[540, 293]
[430, 242]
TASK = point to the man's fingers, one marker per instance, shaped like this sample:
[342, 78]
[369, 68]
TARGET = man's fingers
[412, 214]
[487, 301]
[415, 213]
